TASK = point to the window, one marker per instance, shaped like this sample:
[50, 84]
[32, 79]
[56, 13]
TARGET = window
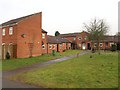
[43, 45]
[11, 31]
[43, 35]
[50, 46]
[60, 46]
[80, 38]
[111, 44]
[95, 44]
[54, 46]
[3, 32]
[79, 45]
[85, 37]
[74, 38]
[101, 44]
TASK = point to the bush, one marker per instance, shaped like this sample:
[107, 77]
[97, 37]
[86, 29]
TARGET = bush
[113, 47]
[93, 50]
[7, 55]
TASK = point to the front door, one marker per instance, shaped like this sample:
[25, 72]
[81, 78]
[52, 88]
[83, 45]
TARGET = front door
[88, 46]
[83, 46]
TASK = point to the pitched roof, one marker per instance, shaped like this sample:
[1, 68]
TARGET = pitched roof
[68, 35]
[71, 34]
[14, 21]
[56, 40]
[111, 38]
[44, 31]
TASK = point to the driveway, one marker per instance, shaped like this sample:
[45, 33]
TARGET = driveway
[6, 83]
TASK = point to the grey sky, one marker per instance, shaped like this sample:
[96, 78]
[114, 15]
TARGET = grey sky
[66, 16]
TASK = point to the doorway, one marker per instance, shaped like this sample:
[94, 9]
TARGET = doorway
[88, 46]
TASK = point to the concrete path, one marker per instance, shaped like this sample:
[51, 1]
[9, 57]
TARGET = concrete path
[6, 83]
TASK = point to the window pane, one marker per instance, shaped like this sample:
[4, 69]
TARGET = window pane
[10, 30]
[3, 32]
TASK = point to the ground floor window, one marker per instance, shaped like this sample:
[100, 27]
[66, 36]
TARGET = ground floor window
[80, 45]
[50, 46]
[111, 44]
[101, 44]
[95, 44]
[43, 45]
[60, 46]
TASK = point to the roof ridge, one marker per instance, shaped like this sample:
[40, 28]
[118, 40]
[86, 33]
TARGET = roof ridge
[16, 20]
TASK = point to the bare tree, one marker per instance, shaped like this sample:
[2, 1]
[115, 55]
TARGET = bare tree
[97, 30]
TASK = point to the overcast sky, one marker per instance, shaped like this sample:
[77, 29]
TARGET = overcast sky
[65, 16]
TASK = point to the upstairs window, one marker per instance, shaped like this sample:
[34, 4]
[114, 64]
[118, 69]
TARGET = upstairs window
[86, 38]
[3, 32]
[80, 38]
[43, 35]
[11, 31]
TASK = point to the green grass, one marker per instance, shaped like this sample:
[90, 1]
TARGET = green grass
[101, 71]
[19, 63]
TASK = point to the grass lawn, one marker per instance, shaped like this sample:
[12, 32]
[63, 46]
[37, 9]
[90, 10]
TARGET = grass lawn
[18, 63]
[101, 71]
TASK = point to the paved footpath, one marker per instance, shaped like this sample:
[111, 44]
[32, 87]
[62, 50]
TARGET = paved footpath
[6, 83]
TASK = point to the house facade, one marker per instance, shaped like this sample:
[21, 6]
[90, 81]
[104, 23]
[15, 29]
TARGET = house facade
[58, 44]
[21, 37]
[24, 37]
[80, 41]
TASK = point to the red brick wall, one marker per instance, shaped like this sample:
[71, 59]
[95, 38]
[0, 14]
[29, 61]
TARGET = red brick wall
[82, 35]
[31, 27]
[64, 47]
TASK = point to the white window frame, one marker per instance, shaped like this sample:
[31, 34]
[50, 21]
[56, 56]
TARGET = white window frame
[111, 44]
[3, 31]
[101, 44]
[60, 46]
[10, 30]
[50, 46]
[74, 38]
[95, 44]
[43, 46]
[80, 45]
[85, 37]
[80, 38]
[43, 35]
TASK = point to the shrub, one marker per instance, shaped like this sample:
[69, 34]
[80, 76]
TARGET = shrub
[7, 55]
[113, 47]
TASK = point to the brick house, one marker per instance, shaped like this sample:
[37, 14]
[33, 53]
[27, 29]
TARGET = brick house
[80, 41]
[58, 44]
[107, 42]
[21, 37]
